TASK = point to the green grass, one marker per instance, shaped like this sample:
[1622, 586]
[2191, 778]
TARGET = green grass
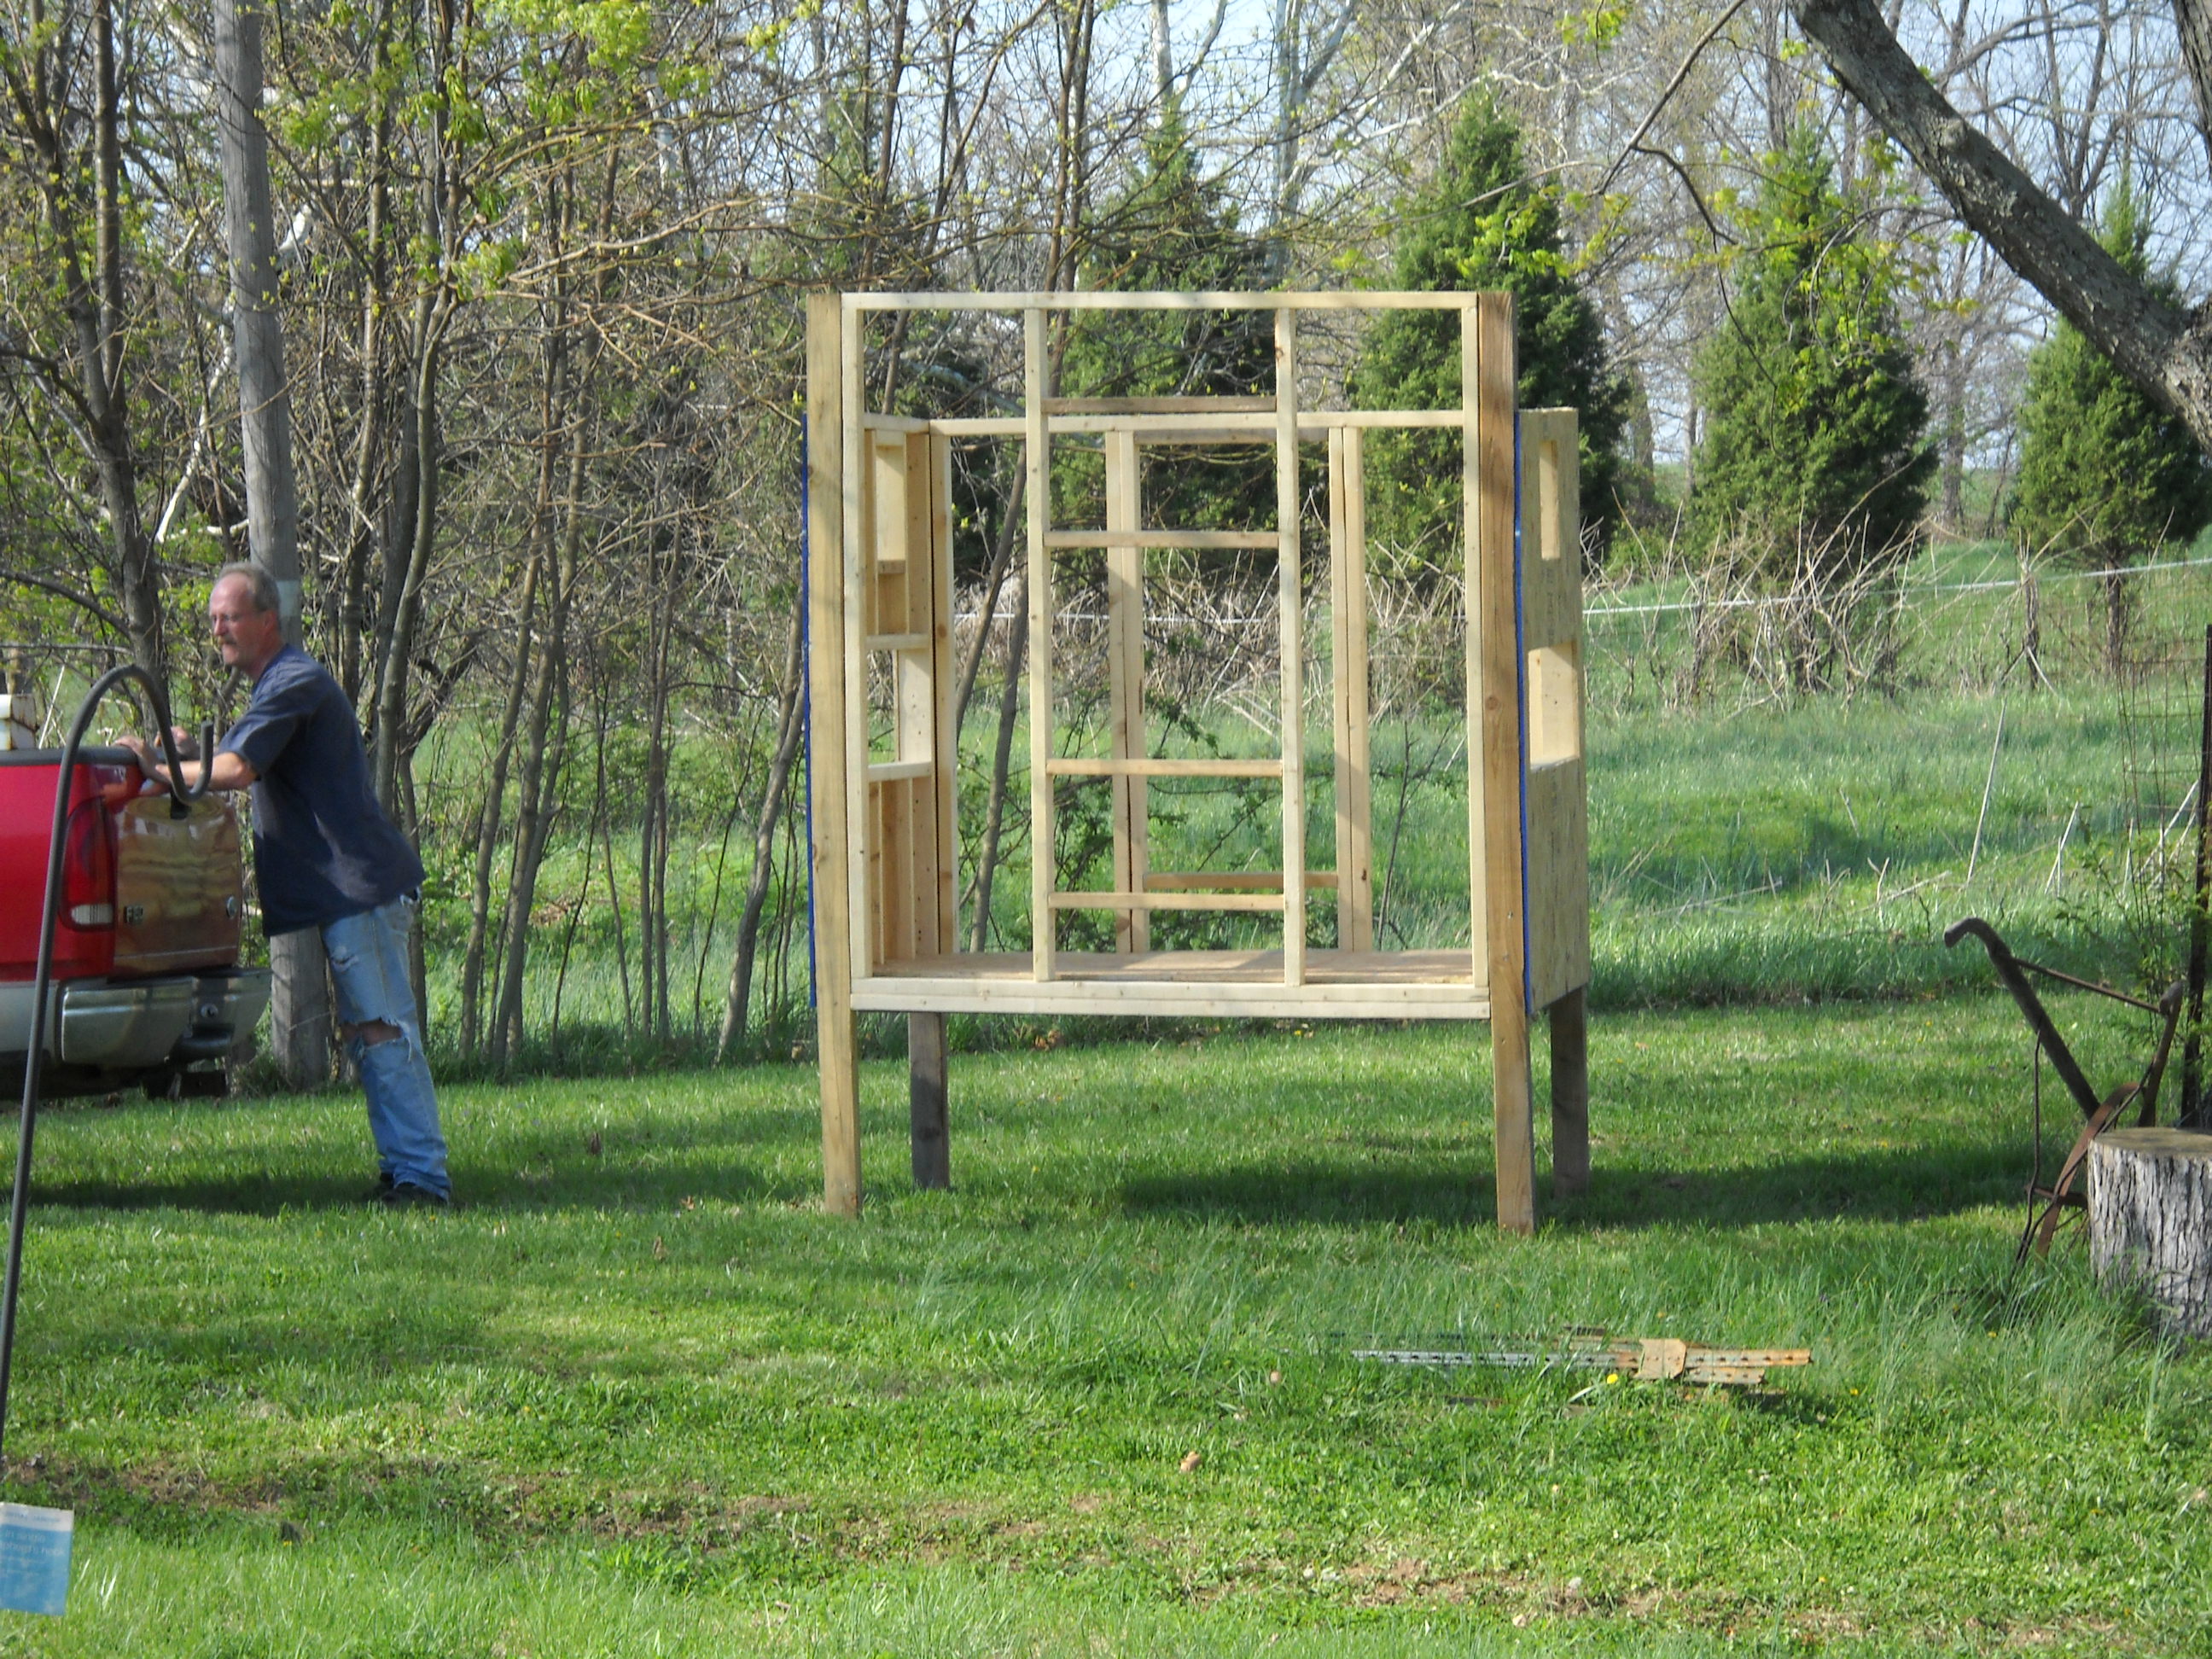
[639, 1396]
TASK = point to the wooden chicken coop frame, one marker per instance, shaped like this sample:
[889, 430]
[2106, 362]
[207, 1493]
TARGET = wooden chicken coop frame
[883, 844]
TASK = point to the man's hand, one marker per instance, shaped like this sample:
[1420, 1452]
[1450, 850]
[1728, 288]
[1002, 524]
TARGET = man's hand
[138, 746]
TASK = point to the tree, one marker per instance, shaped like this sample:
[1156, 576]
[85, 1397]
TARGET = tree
[72, 324]
[1814, 436]
[1480, 223]
[300, 1009]
[2105, 472]
[2163, 347]
[1171, 228]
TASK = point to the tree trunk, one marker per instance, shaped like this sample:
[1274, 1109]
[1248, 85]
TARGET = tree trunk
[369, 442]
[407, 556]
[2150, 1220]
[653, 820]
[987, 861]
[791, 726]
[490, 817]
[545, 751]
[550, 416]
[300, 1026]
[1002, 553]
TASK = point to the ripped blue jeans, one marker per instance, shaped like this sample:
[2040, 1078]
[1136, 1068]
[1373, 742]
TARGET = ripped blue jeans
[368, 968]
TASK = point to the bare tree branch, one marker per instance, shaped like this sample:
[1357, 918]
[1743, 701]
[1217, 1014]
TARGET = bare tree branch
[2164, 350]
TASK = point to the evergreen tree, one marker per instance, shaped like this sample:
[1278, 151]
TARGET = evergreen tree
[2105, 474]
[1480, 224]
[1814, 438]
[1170, 229]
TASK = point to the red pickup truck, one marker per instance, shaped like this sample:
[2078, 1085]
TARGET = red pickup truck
[148, 988]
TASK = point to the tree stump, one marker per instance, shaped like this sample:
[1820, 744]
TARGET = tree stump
[2150, 1220]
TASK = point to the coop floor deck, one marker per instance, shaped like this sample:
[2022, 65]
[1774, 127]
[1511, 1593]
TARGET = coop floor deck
[1199, 984]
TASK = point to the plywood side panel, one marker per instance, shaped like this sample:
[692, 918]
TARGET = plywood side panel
[1552, 636]
[1558, 882]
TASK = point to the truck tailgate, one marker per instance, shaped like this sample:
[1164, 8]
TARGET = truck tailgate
[179, 891]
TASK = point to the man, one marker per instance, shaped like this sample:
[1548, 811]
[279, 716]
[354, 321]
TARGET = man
[325, 856]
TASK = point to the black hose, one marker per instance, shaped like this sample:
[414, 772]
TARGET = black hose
[35, 1053]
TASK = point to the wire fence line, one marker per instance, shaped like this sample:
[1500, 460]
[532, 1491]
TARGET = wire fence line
[1907, 589]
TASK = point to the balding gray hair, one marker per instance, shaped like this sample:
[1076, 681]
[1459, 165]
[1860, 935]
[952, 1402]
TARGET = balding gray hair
[259, 582]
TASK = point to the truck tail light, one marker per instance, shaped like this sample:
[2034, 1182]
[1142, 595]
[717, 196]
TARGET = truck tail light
[89, 868]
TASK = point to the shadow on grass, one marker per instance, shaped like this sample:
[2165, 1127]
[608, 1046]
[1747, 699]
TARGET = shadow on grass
[530, 1181]
[586, 1164]
[1897, 1185]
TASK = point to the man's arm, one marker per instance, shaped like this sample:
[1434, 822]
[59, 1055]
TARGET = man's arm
[230, 771]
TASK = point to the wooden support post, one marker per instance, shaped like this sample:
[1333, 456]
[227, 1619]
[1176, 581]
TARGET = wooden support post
[1125, 664]
[1347, 582]
[928, 1066]
[1496, 760]
[827, 755]
[1287, 584]
[1039, 502]
[1570, 1095]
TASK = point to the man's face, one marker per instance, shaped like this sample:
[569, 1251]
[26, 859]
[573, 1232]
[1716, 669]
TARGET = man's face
[248, 638]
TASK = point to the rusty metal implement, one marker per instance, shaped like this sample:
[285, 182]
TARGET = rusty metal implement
[2097, 1114]
[1663, 1358]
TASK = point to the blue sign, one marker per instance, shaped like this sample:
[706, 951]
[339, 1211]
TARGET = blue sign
[35, 1558]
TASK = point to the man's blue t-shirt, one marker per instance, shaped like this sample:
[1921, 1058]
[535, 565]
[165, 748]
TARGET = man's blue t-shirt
[322, 847]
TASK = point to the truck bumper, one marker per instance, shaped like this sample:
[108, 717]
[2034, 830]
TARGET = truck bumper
[133, 1023]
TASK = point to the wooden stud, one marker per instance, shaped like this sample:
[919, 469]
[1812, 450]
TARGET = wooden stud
[1494, 620]
[1125, 664]
[827, 757]
[1198, 405]
[1124, 899]
[1570, 1095]
[916, 844]
[864, 917]
[928, 1119]
[1471, 533]
[1039, 493]
[892, 858]
[1120, 300]
[900, 771]
[1230, 428]
[947, 743]
[1347, 576]
[1288, 581]
[1200, 540]
[1230, 881]
[1165, 766]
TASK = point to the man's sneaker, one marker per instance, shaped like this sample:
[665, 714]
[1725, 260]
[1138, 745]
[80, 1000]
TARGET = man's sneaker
[406, 1196]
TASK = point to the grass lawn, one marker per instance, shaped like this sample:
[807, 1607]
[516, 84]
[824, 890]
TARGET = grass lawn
[639, 1397]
